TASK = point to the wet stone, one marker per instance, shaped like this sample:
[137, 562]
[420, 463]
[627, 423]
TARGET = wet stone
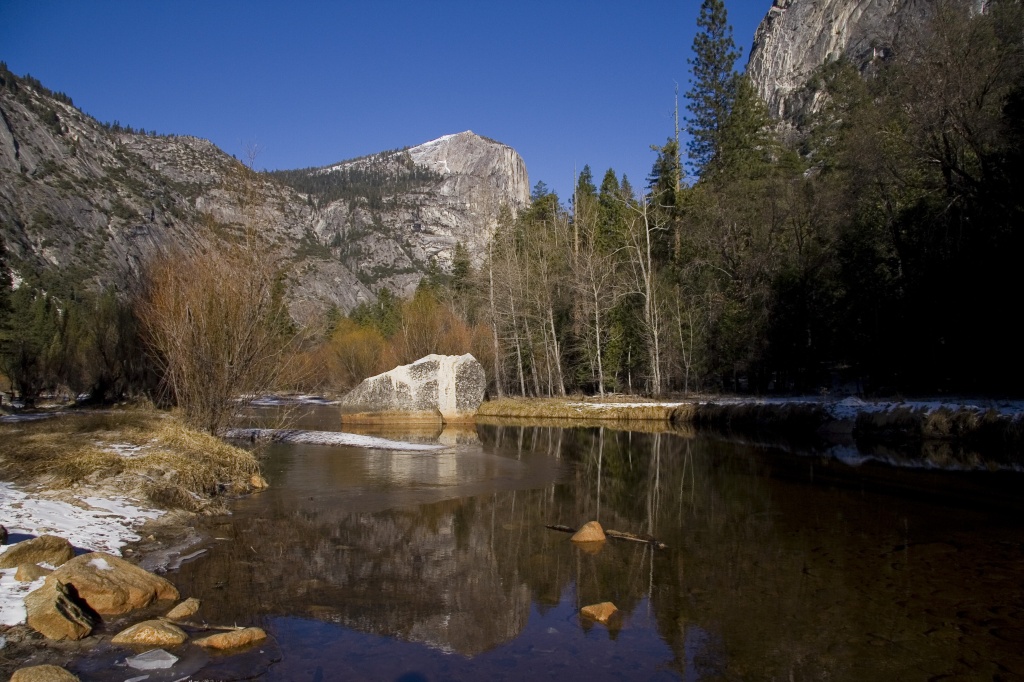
[185, 609]
[151, 633]
[43, 673]
[590, 532]
[602, 612]
[233, 639]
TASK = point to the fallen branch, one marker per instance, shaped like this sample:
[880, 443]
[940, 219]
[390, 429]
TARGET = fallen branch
[617, 534]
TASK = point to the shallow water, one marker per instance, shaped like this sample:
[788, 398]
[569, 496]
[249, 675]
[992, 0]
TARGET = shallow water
[418, 566]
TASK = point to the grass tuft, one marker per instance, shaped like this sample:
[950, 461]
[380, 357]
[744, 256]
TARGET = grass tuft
[161, 460]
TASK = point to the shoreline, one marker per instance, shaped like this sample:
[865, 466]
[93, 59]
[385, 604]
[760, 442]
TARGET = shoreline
[937, 432]
[127, 482]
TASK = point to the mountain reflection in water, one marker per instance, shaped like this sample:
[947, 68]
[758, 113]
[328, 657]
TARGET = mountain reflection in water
[373, 565]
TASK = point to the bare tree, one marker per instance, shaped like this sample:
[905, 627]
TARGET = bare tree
[217, 326]
[643, 224]
[596, 282]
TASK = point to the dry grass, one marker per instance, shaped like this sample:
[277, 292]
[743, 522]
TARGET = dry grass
[613, 409]
[161, 459]
[636, 425]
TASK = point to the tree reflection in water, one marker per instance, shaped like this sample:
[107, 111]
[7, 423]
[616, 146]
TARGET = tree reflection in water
[778, 566]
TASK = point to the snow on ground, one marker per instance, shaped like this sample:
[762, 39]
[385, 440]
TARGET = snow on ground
[302, 399]
[847, 408]
[30, 417]
[100, 524]
[329, 438]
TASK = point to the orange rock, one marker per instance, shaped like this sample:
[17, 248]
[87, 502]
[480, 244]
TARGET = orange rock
[151, 633]
[590, 532]
[54, 612]
[110, 585]
[27, 573]
[232, 639]
[43, 673]
[185, 609]
[602, 612]
[45, 549]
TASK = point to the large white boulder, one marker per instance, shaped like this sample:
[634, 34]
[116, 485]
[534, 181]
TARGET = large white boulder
[452, 385]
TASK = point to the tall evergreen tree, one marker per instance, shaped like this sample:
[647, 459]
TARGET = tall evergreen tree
[713, 85]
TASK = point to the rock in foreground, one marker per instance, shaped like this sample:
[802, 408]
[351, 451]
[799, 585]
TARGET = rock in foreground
[45, 549]
[28, 573]
[43, 673]
[151, 633]
[452, 385]
[232, 639]
[110, 585]
[53, 612]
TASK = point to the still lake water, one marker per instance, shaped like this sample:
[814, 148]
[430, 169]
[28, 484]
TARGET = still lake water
[365, 564]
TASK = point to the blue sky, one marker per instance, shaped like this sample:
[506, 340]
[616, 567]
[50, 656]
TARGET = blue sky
[566, 83]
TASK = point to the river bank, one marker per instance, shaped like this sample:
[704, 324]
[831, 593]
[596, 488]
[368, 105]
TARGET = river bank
[969, 432]
[127, 482]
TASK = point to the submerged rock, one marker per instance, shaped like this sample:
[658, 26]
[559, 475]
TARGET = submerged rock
[451, 385]
[45, 549]
[151, 633]
[110, 585]
[232, 639]
[54, 612]
[590, 532]
[43, 673]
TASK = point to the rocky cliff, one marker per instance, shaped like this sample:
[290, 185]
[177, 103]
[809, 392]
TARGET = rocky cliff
[444, 192]
[85, 204]
[798, 36]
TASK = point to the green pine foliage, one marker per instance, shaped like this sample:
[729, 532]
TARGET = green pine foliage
[373, 178]
[713, 84]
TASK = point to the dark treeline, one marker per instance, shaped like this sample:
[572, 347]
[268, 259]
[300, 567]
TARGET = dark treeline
[81, 342]
[872, 247]
[873, 250]
[372, 178]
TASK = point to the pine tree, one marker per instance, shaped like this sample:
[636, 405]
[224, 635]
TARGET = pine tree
[746, 145]
[713, 85]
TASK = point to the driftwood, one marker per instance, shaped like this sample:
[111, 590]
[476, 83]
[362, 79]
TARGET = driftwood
[618, 535]
[204, 627]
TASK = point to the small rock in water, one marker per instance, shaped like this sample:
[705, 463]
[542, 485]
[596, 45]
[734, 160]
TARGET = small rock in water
[185, 609]
[157, 659]
[590, 532]
[3, 535]
[151, 633]
[602, 612]
[232, 639]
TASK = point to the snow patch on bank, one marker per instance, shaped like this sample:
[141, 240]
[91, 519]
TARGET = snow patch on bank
[329, 438]
[99, 524]
[847, 408]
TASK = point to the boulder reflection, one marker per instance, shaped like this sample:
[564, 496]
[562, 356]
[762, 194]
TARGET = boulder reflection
[777, 565]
